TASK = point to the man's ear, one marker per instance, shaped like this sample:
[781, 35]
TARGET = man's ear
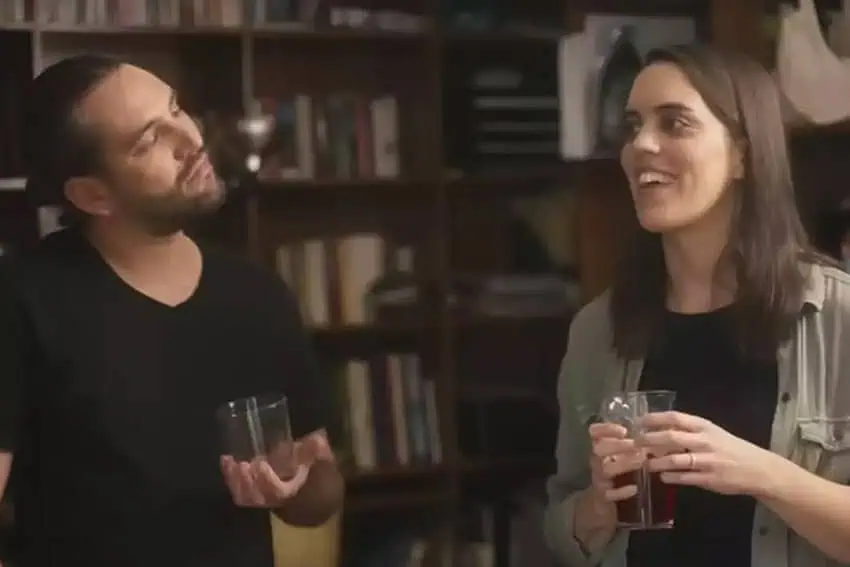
[89, 195]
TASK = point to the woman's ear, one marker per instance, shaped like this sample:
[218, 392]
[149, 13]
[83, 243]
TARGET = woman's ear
[738, 160]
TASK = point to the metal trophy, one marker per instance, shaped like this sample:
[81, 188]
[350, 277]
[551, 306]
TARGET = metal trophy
[239, 145]
[255, 129]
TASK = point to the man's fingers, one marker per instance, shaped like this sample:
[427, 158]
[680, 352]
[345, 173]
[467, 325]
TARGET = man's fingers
[271, 485]
[241, 482]
[258, 484]
[251, 490]
[231, 478]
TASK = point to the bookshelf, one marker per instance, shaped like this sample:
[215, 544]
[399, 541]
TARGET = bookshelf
[331, 216]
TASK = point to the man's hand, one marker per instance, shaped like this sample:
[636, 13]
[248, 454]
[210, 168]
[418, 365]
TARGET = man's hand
[269, 481]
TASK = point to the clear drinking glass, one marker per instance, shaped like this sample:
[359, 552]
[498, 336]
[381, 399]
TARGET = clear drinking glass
[259, 427]
[654, 505]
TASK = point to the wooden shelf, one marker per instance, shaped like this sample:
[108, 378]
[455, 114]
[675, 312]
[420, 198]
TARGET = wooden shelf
[369, 331]
[509, 322]
[340, 34]
[10, 26]
[380, 330]
[396, 502]
[157, 31]
[644, 7]
[528, 179]
[321, 192]
[394, 474]
[282, 32]
[809, 131]
[499, 38]
[522, 464]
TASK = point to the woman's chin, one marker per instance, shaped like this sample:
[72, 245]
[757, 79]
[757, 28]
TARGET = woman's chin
[658, 222]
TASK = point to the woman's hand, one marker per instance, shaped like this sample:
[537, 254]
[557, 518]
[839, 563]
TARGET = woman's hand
[696, 452]
[613, 454]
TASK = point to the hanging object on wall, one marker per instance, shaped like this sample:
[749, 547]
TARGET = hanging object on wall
[814, 80]
[575, 67]
[618, 72]
[596, 67]
[838, 34]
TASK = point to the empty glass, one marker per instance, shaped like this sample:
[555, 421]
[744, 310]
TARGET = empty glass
[259, 427]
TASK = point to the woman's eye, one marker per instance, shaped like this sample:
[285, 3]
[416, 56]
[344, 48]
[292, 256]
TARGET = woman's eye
[630, 129]
[674, 124]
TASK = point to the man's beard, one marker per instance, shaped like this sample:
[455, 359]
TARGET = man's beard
[164, 215]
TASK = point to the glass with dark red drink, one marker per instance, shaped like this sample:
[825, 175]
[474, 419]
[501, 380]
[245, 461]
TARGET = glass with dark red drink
[654, 504]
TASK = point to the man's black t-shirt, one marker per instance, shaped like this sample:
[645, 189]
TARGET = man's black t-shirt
[108, 401]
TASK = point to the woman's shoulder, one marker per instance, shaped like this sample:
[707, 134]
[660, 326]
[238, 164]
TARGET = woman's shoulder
[594, 318]
[828, 289]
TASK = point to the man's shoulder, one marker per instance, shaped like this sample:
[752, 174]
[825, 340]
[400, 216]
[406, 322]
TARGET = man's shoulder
[45, 262]
[233, 273]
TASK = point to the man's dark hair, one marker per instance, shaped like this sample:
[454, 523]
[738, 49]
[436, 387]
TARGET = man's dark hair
[55, 145]
[767, 242]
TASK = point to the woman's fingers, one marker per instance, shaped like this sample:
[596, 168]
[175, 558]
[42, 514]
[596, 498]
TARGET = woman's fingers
[614, 454]
[621, 493]
[609, 447]
[604, 430]
[623, 463]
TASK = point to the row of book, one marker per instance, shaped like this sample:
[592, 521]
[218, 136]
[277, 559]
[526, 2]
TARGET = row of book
[337, 136]
[332, 277]
[209, 13]
[389, 413]
[222, 13]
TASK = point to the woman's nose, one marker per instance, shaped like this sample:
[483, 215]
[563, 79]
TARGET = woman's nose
[646, 139]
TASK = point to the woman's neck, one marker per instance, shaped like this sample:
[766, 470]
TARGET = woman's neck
[701, 275]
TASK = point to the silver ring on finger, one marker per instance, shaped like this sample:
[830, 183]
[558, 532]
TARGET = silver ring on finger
[692, 463]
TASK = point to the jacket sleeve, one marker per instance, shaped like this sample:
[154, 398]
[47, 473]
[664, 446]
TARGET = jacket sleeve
[580, 390]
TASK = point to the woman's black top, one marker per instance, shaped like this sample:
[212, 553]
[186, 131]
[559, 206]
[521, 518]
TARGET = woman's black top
[697, 357]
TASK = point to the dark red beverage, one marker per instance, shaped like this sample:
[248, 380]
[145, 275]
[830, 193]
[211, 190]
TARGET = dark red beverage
[654, 505]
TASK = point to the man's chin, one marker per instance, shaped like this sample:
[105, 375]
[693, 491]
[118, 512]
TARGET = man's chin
[211, 199]
[189, 217]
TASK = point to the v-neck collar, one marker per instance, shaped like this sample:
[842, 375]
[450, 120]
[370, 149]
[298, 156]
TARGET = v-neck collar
[98, 258]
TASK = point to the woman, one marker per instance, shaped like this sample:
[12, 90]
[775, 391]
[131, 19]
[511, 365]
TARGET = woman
[724, 301]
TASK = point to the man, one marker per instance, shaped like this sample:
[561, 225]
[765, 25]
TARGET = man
[121, 337]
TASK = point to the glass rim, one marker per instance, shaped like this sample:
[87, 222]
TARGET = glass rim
[239, 407]
[645, 393]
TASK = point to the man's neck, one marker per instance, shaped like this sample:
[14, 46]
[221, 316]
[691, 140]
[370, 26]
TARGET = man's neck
[134, 252]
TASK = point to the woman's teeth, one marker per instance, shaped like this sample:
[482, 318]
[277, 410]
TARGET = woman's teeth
[654, 178]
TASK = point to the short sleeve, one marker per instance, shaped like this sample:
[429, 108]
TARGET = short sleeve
[17, 347]
[307, 389]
